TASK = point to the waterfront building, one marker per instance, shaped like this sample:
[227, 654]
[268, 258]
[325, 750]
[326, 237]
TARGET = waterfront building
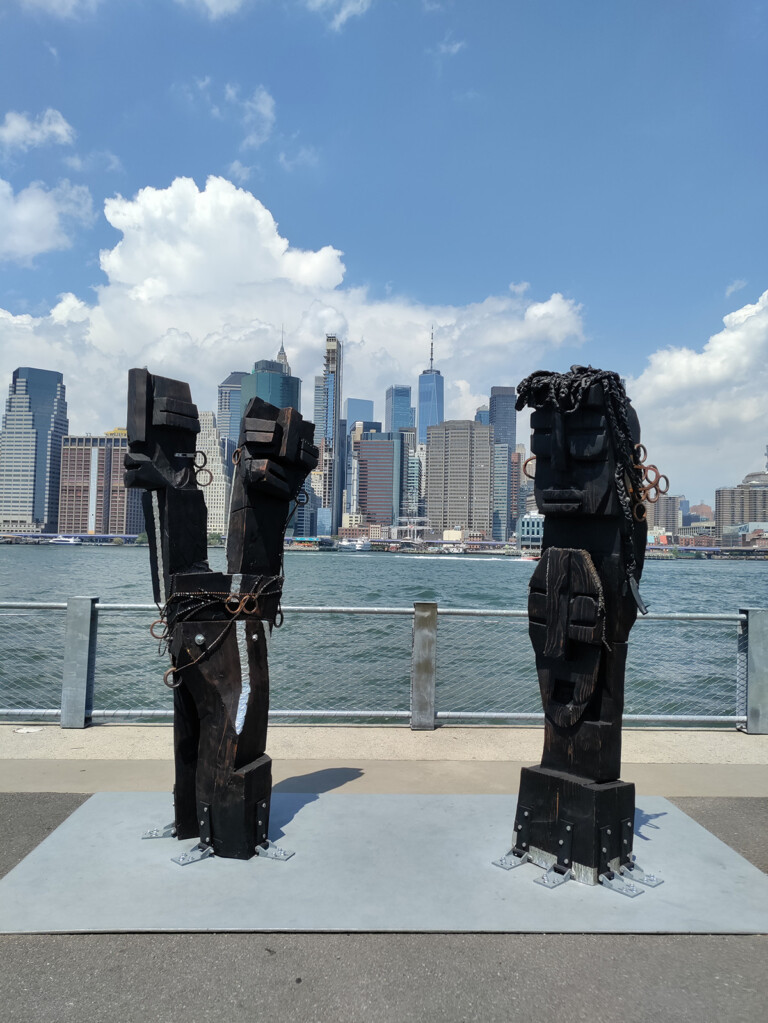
[460, 477]
[228, 412]
[483, 415]
[92, 498]
[34, 424]
[218, 451]
[502, 415]
[328, 438]
[502, 492]
[665, 513]
[352, 439]
[531, 532]
[398, 412]
[271, 380]
[431, 397]
[748, 502]
[380, 463]
[357, 410]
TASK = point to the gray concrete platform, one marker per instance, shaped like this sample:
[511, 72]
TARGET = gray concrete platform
[367, 863]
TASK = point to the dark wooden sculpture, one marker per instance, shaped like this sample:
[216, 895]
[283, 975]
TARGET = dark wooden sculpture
[215, 625]
[575, 816]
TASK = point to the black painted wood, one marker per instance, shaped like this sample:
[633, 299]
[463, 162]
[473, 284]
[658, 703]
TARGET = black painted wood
[223, 775]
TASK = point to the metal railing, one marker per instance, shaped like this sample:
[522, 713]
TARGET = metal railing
[85, 660]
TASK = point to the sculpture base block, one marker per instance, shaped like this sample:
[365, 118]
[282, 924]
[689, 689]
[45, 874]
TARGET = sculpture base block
[576, 824]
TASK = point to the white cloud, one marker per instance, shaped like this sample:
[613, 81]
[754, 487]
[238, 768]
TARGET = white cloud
[703, 412]
[258, 114]
[734, 286]
[98, 159]
[305, 156]
[239, 171]
[34, 220]
[450, 47]
[201, 282]
[19, 132]
[214, 8]
[340, 11]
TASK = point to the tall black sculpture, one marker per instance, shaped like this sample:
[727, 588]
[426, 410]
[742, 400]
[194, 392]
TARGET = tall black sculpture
[215, 625]
[574, 815]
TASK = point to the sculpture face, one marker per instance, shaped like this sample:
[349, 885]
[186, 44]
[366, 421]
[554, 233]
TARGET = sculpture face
[575, 460]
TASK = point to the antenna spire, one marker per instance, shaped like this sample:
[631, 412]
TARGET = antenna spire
[431, 346]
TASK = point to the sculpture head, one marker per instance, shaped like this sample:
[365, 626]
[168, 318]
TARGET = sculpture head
[162, 432]
[584, 432]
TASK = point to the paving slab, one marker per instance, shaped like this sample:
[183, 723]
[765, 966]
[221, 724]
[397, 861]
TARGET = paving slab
[367, 863]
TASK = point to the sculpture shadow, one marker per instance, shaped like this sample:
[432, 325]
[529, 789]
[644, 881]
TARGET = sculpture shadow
[645, 820]
[297, 792]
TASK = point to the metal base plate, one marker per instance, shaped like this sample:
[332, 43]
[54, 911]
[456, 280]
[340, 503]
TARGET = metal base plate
[365, 863]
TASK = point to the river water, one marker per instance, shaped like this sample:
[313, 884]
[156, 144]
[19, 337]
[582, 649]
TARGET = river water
[363, 662]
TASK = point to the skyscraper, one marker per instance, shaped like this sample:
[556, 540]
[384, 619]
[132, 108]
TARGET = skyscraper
[92, 498]
[502, 415]
[34, 425]
[357, 410]
[460, 457]
[228, 413]
[327, 430]
[271, 381]
[218, 451]
[483, 415]
[398, 411]
[431, 388]
[380, 462]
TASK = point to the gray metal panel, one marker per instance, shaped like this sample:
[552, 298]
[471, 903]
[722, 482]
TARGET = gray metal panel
[757, 670]
[367, 863]
[79, 661]
[423, 662]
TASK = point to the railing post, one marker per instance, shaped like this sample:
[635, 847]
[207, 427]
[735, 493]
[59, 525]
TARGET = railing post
[79, 661]
[423, 661]
[757, 669]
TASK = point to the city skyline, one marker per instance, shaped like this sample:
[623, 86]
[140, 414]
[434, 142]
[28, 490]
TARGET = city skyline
[547, 185]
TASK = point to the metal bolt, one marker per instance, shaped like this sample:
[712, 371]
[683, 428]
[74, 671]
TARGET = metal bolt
[259, 822]
[625, 842]
[604, 849]
[560, 841]
[200, 639]
[202, 823]
[519, 827]
[566, 861]
[524, 845]
[254, 637]
[607, 831]
[525, 813]
[567, 827]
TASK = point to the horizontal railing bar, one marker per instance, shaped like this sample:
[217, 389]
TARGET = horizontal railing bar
[15, 605]
[457, 715]
[713, 719]
[14, 712]
[671, 616]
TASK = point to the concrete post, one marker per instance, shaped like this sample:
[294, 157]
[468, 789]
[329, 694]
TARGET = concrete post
[79, 661]
[757, 669]
[423, 663]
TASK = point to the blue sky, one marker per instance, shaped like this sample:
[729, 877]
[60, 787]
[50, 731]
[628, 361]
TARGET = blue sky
[546, 182]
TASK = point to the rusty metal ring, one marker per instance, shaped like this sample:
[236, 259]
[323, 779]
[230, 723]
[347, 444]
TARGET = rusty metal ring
[665, 488]
[525, 463]
[236, 455]
[652, 475]
[171, 685]
[204, 462]
[639, 512]
[302, 497]
[281, 616]
[158, 621]
[641, 458]
[652, 499]
[233, 604]
[198, 474]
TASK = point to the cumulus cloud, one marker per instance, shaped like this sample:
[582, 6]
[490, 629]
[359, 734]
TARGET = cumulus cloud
[704, 412]
[37, 219]
[20, 132]
[201, 282]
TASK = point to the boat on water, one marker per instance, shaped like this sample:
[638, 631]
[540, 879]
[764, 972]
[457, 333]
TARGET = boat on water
[67, 541]
[310, 543]
[361, 544]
